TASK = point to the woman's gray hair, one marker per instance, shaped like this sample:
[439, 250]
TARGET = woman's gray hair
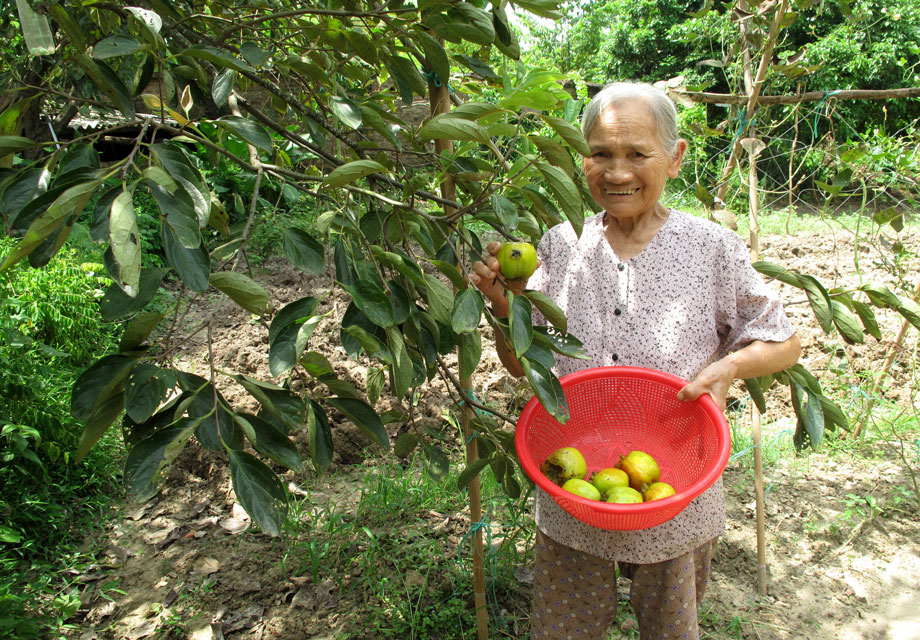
[663, 109]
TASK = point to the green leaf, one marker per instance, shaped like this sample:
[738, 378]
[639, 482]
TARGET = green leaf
[867, 317]
[753, 387]
[242, 289]
[116, 304]
[320, 436]
[148, 459]
[316, 364]
[819, 300]
[566, 192]
[467, 310]
[543, 8]
[880, 296]
[810, 426]
[103, 379]
[139, 329]
[304, 251]
[374, 383]
[248, 130]
[351, 171]
[453, 274]
[548, 308]
[560, 342]
[145, 389]
[440, 299]
[373, 302]
[98, 423]
[192, 265]
[474, 110]
[14, 144]
[218, 57]
[435, 54]
[568, 132]
[292, 313]
[405, 445]
[259, 491]
[364, 417]
[346, 111]
[254, 54]
[520, 324]
[910, 310]
[282, 403]
[847, 323]
[223, 86]
[69, 203]
[115, 46]
[447, 126]
[177, 165]
[288, 343]
[369, 342]
[125, 244]
[470, 352]
[269, 441]
[108, 82]
[401, 367]
[833, 414]
[404, 71]
[546, 387]
[471, 471]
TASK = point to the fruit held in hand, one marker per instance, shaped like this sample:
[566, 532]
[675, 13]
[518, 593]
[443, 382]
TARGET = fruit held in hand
[641, 468]
[517, 260]
[606, 479]
[582, 488]
[657, 491]
[623, 495]
[564, 464]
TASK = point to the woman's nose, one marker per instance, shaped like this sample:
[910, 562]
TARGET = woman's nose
[617, 169]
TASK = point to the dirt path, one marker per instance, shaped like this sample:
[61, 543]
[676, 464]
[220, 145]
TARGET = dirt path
[843, 541]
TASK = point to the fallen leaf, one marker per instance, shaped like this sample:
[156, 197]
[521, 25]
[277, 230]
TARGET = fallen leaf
[142, 631]
[206, 566]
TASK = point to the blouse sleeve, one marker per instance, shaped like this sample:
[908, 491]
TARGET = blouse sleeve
[748, 308]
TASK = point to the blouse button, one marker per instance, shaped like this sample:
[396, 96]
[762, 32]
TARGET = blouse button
[617, 311]
[615, 357]
[621, 266]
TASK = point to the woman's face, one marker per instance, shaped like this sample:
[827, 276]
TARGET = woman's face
[628, 165]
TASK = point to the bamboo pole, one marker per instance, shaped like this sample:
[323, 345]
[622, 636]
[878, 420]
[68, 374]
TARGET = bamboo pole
[439, 97]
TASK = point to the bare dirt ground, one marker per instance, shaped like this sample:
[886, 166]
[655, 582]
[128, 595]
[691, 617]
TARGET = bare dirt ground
[843, 539]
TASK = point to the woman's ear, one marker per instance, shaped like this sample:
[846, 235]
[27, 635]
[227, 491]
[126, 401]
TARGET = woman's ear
[677, 158]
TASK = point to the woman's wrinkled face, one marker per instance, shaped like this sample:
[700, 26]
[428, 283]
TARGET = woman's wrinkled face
[628, 165]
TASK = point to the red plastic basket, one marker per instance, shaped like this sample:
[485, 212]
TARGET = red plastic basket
[615, 410]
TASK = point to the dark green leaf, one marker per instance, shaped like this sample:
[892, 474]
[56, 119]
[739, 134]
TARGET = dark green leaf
[193, 266]
[880, 296]
[223, 86]
[98, 423]
[320, 435]
[346, 111]
[435, 54]
[568, 132]
[446, 126]
[810, 416]
[145, 390]
[374, 384]
[284, 404]
[470, 353]
[148, 459]
[14, 144]
[248, 130]
[98, 383]
[116, 304]
[438, 464]
[373, 302]
[401, 367]
[288, 343]
[364, 417]
[867, 317]
[546, 387]
[259, 491]
[566, 192]
[467, 310]
[304, 251]
[139, 329]
[108, 82]
[351, 171]
[910, 310]
[254, 54]
[471, 471]
[820, 301]
[520, 324]
[269, 441]
[548, 308]
[219, 57]
[564, 343]
[753, 388]
[846, 322]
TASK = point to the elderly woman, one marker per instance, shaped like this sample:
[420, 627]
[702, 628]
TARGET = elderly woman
[649, 286]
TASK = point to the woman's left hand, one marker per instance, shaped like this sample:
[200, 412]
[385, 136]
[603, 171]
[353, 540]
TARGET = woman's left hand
[715, 380]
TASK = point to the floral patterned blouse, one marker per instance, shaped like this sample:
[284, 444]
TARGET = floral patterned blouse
[688, 299]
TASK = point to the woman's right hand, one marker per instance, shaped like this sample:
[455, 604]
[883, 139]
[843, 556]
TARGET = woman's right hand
[488, 279]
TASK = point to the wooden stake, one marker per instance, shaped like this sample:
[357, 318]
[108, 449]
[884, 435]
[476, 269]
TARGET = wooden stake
[759, 500]
[440, 103]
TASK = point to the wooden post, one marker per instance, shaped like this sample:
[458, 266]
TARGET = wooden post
[758, 495]
[440, 103]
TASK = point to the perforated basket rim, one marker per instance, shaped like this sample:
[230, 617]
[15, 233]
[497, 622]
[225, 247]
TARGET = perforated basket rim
[644, 511]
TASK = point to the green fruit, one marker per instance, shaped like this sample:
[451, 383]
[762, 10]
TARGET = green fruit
[623, 495]
[582, 488]
[517, 260]
[606, 479]
[564, 464]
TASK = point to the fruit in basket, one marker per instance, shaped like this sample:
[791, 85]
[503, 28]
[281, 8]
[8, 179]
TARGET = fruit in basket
[623, 495]
[582, 488]
[641, 468]
[517, 260]
[657, 491]
[606, 479]
[564, 464]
